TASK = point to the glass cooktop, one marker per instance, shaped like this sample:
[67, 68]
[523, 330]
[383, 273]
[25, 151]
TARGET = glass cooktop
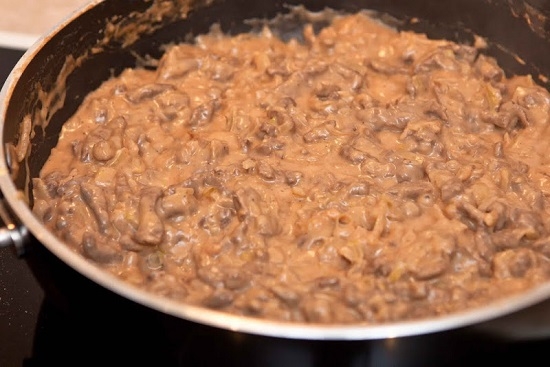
[52, 316]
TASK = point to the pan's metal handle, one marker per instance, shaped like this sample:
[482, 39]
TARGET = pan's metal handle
[11, 233]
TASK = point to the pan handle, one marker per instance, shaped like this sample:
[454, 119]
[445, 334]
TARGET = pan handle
[11, 233]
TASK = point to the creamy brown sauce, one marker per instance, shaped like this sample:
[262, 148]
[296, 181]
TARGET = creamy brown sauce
[362, 176]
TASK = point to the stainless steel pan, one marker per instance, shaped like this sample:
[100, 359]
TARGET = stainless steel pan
[104, 37]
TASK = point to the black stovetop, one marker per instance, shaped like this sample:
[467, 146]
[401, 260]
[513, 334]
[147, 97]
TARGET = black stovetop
[40, 325]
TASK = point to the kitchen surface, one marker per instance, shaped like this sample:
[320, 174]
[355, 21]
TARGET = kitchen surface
[41, 324]
[23, 21]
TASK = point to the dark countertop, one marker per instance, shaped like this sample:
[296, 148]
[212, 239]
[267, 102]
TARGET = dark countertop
[20, 300]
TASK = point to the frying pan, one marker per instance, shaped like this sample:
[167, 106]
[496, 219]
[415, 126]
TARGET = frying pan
[104, 37]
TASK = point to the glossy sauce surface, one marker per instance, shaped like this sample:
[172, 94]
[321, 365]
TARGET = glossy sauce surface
[362, 176]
